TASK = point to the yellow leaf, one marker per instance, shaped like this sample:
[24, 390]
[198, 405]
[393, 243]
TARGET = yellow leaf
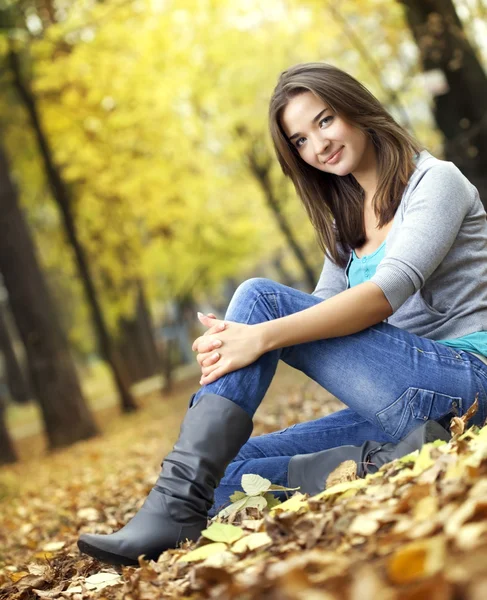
[426, 508]
[16, 576]
[364, 525]
[424, 460]
[339, 488]
[53, 546]
[417, 560]
[44, 555]
[291, 505]
[251, 542]
[203, 552]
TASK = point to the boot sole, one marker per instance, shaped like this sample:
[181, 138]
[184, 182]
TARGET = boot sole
[104, 556]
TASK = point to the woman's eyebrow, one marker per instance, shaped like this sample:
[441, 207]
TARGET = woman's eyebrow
[313, 121]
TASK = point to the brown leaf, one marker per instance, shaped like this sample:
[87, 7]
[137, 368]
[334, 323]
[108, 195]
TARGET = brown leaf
[346, 471]
[457, 426]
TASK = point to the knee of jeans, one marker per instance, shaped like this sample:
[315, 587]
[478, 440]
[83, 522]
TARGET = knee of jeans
[256, 285]
[414, 407]
[248, 290]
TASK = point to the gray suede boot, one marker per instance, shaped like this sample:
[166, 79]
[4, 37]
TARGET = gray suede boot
[310, 471]
[212, 433]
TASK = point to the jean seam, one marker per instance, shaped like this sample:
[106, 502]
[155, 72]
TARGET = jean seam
[426, 352]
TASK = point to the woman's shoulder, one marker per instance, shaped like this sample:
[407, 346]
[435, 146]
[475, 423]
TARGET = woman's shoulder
[438, 175]
[427, 163]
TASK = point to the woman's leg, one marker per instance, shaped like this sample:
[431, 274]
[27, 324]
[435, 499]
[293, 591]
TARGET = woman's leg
[394, 379]
[268, 455]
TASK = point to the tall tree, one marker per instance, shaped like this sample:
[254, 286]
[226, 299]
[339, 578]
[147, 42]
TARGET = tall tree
[52, 371]
[459, 108]
[8, 453]
[136, 345]
[14, 374]
[64, 202]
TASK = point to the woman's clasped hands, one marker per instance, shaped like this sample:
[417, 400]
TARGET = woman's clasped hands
[225, 347]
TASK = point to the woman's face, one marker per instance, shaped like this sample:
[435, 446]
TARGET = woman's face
[322, 138]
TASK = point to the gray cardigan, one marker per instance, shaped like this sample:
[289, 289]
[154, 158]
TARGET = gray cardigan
[434, 270]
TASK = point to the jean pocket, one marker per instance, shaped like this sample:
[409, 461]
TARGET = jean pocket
[415, 406]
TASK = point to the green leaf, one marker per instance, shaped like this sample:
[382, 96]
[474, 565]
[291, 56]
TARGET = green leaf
[253, 485]
[271, 500]
[255, 502]
[203, 552]
[222, 532]
[238, 496]
[248, 502]
[235, 507]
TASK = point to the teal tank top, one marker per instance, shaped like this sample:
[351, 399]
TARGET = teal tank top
[362, 269]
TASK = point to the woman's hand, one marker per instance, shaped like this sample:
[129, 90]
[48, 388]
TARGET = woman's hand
[225, 347]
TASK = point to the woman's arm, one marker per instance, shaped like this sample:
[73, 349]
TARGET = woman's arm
[240, 344]
[348, 312]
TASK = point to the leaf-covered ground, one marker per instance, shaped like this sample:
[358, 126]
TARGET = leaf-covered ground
[417, 529]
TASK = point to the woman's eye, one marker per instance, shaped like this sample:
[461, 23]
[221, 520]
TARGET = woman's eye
[325, 120]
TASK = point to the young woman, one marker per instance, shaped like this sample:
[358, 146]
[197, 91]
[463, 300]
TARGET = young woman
[396, 327]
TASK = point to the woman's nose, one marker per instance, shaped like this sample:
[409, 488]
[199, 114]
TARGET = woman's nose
[320, 144]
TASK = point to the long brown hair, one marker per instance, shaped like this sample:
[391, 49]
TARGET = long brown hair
[327, 196]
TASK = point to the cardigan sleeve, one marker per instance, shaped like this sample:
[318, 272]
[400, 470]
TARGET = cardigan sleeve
[432, 219]
[332, 280]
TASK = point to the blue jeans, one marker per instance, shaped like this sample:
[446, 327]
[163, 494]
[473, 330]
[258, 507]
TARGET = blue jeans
[391, 380]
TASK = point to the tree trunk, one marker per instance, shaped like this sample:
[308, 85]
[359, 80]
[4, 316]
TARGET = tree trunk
[459, 112]
[262, 173]
[137, 346]
[284, 275]
[8, 454]
[53, 375]
[63, 201]
[16, 379]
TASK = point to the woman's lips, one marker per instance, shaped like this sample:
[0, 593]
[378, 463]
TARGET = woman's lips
[335, 158]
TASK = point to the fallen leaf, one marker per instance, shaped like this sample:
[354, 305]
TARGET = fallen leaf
[203, 552]
[251, 542]
[417, 560]
[98, 581]
[222, 532]
[254, 485]
[346, 471]
[364, 525]
[53, 546]
[293, 504]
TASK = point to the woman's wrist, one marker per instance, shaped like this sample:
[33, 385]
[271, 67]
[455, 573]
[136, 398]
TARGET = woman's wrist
[266, 341]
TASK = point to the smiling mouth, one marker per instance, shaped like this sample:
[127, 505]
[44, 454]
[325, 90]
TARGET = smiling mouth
[333, 156]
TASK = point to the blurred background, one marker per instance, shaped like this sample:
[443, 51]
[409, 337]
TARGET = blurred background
[138, 184]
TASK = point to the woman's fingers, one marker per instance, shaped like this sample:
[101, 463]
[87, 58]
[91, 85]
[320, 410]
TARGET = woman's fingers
[202, 346]
[213, 375]
[208, 358]
[216, 328]
[201, 340]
